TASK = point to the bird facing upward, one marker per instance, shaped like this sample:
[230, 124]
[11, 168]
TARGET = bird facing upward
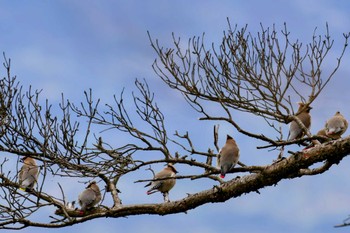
[28, 175]
[336, 126]
[228, 156]
[295, 131]
[163, 186]
[90, 196]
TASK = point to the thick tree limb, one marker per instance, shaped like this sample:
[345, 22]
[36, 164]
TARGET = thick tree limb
[292, 167]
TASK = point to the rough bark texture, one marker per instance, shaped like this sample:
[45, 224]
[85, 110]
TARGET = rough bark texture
[296, 165]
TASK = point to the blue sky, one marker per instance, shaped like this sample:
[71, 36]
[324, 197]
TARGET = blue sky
[71, 46]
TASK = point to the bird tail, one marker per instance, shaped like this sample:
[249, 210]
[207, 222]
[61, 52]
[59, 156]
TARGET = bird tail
[154, 188]
[151, 191]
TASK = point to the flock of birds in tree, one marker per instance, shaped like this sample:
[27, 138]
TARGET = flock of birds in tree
[227, 158]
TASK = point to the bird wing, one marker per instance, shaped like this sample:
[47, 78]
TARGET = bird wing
[28, 175]
[33, 172]
[218, 159]
[157, 185]
[21, 173]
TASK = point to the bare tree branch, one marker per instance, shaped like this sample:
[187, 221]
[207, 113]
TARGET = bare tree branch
[261, 75]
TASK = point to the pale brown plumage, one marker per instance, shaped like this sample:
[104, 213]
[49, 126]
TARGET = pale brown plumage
[322, 132]
[163, 186]
[90, 196]
[295, 131]
[28, 175]
[228, 156]
[336, 126]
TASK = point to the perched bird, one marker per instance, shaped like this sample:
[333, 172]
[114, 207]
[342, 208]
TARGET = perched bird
[228, 156]
[28, 175]
[295, 131]
[336, 126]
[163, 186]
[90, 196]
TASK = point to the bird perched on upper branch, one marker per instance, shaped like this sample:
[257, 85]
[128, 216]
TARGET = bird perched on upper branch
[336, 126]
[163, 186]
[303, 114]
[90, 196]
[228, 156]
[28, 175]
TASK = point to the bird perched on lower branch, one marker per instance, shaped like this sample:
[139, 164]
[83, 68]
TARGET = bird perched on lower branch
[89, 197]
[163, 186]
[295, 130]
[303, 114]
[336, 126]
[228, 156]
[28, 175]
